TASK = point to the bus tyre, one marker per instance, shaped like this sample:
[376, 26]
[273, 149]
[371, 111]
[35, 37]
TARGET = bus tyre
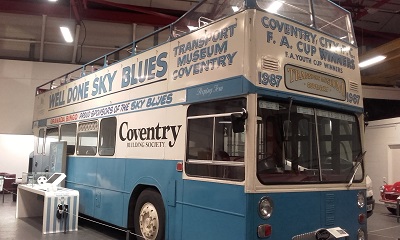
[149, 215]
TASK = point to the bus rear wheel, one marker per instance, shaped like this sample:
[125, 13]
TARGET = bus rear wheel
[149, 215]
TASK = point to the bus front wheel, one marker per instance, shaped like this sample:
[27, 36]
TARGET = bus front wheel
[149, 215]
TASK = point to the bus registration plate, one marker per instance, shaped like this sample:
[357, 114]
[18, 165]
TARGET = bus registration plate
[338, 232]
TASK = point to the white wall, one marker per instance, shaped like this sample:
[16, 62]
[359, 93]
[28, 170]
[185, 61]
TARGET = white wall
[18, 81]
[382, 141]
[15, 150]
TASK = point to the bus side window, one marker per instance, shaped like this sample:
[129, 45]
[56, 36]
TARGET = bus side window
[107, 134]
[200, 139]
[213, 150]
[68, 134]
[87, 138]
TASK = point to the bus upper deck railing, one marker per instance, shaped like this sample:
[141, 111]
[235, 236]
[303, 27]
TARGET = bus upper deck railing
[321, 15]
[99, 63]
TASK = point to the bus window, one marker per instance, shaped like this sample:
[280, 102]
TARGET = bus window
[327, 16]
[204, 15]
[303, 159]
[40, 142]
[68, 134]
[87, 138]
[107, 136]
[298, 10]
[213, 149]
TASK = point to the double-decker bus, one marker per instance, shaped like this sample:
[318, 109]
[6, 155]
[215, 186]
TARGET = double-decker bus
[243, 119]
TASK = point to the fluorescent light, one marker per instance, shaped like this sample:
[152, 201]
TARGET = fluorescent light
[66, 34]
[273, 8]
[371, 61]
[52, 0]
[192, 28]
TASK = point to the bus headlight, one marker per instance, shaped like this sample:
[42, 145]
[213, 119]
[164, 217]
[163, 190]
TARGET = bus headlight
[265, 207]
[360, 234]
[360, 199]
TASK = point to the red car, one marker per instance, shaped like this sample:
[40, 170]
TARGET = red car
[389, 195]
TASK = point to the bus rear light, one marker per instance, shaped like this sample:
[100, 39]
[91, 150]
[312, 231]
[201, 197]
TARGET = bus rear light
[179, 166]
[264, 230]
[361, 218]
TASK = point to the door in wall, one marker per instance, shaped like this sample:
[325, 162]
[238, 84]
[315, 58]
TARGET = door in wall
[394, 163]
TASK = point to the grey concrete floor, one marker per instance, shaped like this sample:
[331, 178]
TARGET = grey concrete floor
[31, 228]
[381, 226]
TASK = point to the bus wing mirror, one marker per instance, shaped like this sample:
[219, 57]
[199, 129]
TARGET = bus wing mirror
[238, 121]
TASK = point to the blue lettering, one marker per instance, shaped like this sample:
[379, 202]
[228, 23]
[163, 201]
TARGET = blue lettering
[161, 63]
[57, 99]
[126, 73]
[152, 67]
[78, 92]
[99, 83]
[147, 69]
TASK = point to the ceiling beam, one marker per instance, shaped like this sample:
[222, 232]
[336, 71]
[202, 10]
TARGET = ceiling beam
[385, 73]
[74, 6]
[141, 15]
[136, 8]
[391, 50]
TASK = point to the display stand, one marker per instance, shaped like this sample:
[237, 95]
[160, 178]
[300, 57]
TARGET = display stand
[59, 208]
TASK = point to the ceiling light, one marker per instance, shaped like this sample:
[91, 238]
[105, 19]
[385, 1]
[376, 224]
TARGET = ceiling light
[192, 28]
[66, 34]
[371, 61]
[273, 8]
[235, 8]
[52, 0]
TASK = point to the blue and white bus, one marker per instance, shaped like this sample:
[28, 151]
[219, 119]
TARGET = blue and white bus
[241, 120]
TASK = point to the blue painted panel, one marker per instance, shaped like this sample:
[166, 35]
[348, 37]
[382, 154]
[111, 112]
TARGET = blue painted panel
[152, 172]
[213, 211]
[297, 213]
[126, 198]
[219, 89]
[82, 170]
[86, 198]
[110, 206]
[110, 173]
[204, 210]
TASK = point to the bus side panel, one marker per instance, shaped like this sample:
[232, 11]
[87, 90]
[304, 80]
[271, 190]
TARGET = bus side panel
[100, 183]
[109, 206]
[81, 175]
[110, 173]
[86, 198]
[109, 198]
[213, 211]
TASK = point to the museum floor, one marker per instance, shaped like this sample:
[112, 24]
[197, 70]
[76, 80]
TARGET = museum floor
[381, 226]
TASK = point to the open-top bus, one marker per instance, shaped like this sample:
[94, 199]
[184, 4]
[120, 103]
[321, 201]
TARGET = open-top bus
[241, 120]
